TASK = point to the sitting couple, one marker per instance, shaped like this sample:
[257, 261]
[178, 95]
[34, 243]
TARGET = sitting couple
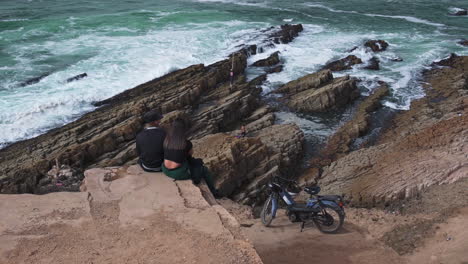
[170, 153]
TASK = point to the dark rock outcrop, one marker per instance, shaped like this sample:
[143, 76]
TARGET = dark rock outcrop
[460, 12]
[34, 80]
[318, 92]
[336, 93]
[339, 143]
[242, 166]
[77, 77]
[286, 34]
[373, 64]
[310, 81]
[275, 69]
[463, 42]
[376, 45]
[343, 64]
[273, 59]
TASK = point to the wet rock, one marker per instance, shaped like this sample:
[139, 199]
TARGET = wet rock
[430, 133]
[275, 69]
[463, 42]
[77, 77]
[343, 64]
[396, 59]
[460, 12]
[286, 34]
[335, 94]
[373, 64]
[310, 81]
[376, 45]
[339, 143]
[451, 60]
[273, 59]
[34, 80]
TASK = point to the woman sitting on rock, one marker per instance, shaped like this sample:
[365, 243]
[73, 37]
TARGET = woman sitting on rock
[178, 161]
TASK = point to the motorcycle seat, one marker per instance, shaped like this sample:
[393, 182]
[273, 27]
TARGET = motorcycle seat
[329, 197]
[312, 190]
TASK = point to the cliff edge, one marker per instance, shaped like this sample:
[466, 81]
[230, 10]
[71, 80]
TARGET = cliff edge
[123, 215]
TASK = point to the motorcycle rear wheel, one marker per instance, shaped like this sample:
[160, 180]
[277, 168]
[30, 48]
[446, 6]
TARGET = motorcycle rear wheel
[266, 214]
[329, 220]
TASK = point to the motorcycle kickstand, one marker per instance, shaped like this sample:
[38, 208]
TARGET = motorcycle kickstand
[302, 226]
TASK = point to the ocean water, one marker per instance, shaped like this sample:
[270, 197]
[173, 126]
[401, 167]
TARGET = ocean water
[121, 44]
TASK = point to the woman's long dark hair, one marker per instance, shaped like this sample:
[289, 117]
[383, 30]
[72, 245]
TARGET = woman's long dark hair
[176, 136]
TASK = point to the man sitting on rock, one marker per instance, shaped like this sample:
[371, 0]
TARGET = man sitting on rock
[149, 143]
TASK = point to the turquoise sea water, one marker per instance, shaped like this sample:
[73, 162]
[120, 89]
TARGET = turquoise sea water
[120, 44]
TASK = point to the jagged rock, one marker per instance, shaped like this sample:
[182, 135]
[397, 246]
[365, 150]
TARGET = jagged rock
[448, 61]
[310, 81]
[343, 64]
[424, 147]
[373, 64]
[460, 12]
[339, 143]
[77, 77]
[34, 80]
[275, 69]
[105, 137]
[131, 216]
[273, 59]
[396, 59]
[376, 45]
[286, 34]
[338, 93]
[250, 161]
[463, 42]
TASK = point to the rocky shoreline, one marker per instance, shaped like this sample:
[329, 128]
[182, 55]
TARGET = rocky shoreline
[200, 94]
[215, 108]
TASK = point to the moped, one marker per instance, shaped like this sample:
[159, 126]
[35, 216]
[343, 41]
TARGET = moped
[325, 211]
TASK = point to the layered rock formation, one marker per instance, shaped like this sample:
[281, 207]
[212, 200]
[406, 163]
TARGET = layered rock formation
[339, 144]
[243, 165]
[272, 60]
[318, 92]
[425, 146]
[343, 64]
[123, 215]
[105, 137]
[376, 45]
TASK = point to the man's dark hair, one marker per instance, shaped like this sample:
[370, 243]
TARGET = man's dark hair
[152, 116]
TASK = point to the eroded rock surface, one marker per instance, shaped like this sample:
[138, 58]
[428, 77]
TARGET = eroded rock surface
[272, 60]
[319, 92]
[339, 143]
[105, 137]
[242, 166]
[137, 217]
[343, 64]
[376, 45]
[425, 146]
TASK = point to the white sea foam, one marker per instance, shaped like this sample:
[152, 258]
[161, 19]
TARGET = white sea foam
[13, 19]
[407, 18]
[118, 63]
[329, 8]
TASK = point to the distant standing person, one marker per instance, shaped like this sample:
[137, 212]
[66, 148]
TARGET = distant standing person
[178, 161]
[149, 143]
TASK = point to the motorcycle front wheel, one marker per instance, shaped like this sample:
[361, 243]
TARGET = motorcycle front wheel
[329, 220]
[267, 211]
